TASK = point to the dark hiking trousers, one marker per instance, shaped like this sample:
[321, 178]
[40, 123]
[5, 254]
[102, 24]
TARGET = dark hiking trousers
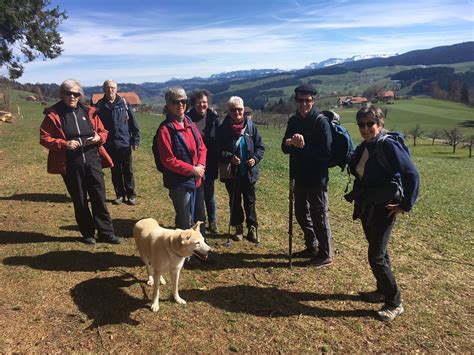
[88, 180]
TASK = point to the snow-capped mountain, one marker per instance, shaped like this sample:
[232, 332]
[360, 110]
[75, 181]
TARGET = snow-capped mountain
[245, 73]
[335, 61]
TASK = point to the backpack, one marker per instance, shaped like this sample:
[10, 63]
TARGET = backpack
[342, 146]
[380, 154]
[169, 125]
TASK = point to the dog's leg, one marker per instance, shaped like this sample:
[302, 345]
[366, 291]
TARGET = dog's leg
[149, 270]
[155, 305]
[162, 280]
[174, 283]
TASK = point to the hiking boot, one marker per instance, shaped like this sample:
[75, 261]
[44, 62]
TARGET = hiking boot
[305, 254]
[111, 239]
[213, 227]
[132, 201]
[372, 297]
[319, 262]
[387, 314]
[88, 240]
[118, 201]
[239, 233]
[252, 235]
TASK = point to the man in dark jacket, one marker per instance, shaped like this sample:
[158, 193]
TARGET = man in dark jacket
[124, 136]
[308, 141]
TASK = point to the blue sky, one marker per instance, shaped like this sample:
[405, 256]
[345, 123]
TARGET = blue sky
[140, 41]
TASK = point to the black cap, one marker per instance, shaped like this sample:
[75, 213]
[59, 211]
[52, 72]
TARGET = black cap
[306, 89]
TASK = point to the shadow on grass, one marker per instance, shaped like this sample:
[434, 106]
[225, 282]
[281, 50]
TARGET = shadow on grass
[250, 260]
[467, 123]
[37, 197]
[105, 301]
[12, 237]
[122, 227]
[272, 302]
[75, 260]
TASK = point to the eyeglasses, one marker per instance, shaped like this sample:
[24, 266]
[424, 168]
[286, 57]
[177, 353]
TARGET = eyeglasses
[306, 101]
[235, 109]
[368, 124]
[177, 102]
[69, 93]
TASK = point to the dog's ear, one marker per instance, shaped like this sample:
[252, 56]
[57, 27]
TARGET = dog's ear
[196, 226]
[185, 236]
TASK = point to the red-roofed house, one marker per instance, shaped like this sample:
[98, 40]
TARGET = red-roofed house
[131, 97]
[352, 101]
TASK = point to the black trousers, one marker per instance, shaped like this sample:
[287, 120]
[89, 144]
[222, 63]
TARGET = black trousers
[238, 189]
[88, 180]
[378, 228]
[122, 172]
[311, 211]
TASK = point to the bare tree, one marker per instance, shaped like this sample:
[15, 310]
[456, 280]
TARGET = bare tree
[453, 137]
[434, 135]
[468, 144]
[416, 133]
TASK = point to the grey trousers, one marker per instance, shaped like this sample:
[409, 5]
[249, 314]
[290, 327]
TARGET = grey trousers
[311, 211]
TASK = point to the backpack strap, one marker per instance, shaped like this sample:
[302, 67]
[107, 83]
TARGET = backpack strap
[380, 154]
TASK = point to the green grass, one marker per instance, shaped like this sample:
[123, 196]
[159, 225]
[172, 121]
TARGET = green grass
[69, 297]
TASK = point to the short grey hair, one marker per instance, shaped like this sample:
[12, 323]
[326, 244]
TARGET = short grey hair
[104, 85]
[234, 101]
[68, 84]
[174, 93]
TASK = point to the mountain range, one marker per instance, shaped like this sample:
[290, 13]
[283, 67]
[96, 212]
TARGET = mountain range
[332, 77]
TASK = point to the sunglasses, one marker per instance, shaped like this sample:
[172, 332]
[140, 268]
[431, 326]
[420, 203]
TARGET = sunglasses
[182, 102]
[306, 101]
[235, 109]
[368, 124]
[69, 93]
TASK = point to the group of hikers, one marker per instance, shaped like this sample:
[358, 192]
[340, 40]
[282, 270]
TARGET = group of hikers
[193, 148]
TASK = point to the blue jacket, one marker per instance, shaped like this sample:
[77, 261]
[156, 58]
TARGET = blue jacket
[253, 141]
[375, 175]
[119, 120]
[309, 166]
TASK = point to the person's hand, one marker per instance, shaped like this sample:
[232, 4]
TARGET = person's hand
[251, 162]
[199, 170]
[235, 160]
[72, 144]
[134, 147]
[297, 140]
[95, 139]
[394, 209]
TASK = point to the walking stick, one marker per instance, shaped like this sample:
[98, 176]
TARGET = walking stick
[234, 187]
[290, 216]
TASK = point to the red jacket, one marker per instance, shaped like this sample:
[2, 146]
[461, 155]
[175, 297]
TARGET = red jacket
[170, 161]
[52, 137]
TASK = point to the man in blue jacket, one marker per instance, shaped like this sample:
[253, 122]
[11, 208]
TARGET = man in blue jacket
[124, 136]
[308, 141]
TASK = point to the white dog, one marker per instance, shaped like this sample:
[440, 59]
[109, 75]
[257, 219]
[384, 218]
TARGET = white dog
[164, 250]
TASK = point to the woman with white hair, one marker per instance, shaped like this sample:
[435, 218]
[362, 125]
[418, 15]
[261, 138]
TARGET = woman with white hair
[240, 147]
[74, 135]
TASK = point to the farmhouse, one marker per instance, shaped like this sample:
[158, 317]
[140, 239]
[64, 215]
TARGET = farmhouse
[349, 101]
[133, 100]
[248, 112]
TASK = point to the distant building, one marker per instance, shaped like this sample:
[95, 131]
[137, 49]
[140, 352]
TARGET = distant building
[31, 98]
[133, 100]
[385, 95]
[248, 112]
[349, 101]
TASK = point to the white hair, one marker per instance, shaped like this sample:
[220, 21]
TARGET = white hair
[68, 84]
[104, 85]
[234, 101]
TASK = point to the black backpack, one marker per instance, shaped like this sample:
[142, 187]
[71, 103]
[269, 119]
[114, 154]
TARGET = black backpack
[169, 125]
[342, 147]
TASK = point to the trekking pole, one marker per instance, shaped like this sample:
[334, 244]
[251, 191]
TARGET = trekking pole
[290, 217]
[234, 187]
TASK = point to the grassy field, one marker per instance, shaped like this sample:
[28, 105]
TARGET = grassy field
[59, 295]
